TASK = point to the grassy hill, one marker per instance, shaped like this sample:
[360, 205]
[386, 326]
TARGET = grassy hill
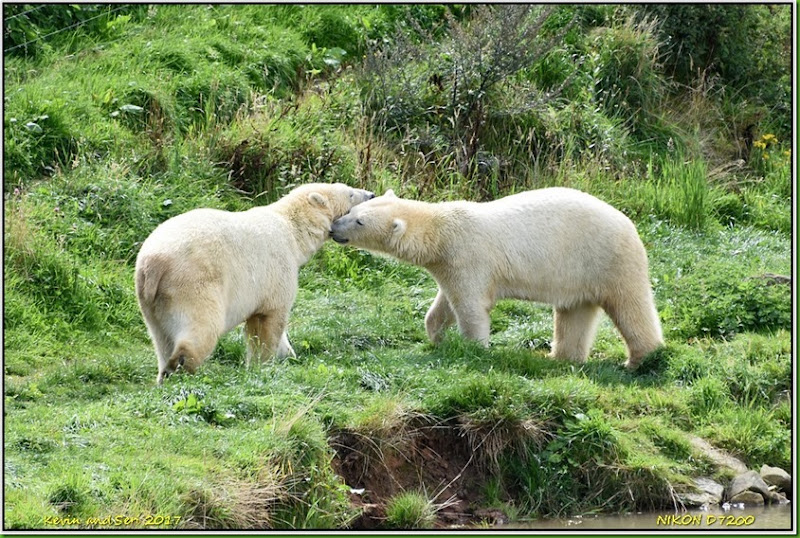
[118, 118]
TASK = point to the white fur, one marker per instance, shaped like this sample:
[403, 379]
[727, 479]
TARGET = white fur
[557, 246]
[202, 273]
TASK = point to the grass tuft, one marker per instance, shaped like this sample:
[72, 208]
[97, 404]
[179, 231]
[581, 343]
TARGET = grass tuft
[410, 510]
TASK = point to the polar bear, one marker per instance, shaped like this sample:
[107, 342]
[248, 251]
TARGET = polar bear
[200, 274]
[557, 245]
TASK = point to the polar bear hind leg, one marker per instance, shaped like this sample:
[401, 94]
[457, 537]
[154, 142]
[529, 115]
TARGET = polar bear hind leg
[636, 318]
[189, 353]
[190, 335]
[574, 332]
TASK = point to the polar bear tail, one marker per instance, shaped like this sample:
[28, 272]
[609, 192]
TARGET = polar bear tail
[148, 277]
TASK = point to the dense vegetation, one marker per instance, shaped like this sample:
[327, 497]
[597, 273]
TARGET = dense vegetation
[119, 117]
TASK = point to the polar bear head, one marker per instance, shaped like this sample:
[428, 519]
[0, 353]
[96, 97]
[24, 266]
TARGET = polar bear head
[405, 229]
[331, 199]
[370, 225]
[312, 208]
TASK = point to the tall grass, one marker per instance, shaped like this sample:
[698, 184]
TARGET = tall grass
[678, 190]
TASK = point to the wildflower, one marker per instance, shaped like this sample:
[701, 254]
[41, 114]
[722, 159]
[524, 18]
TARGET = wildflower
[766, 156]
[787, 153]
[759, 144]
[769, 137]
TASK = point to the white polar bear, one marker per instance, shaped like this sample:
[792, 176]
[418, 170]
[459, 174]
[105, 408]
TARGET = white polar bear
[200, 274]
[558, 246]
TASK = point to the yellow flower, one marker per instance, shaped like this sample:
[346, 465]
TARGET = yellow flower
[766, 156]
[760, 144]
[768, 137]
[787, 153]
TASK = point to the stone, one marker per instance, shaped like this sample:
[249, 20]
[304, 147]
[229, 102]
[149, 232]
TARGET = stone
[748, 498]
[778, 498]
[719, 457]
[775, 476]
[706, 492]
[749, 481]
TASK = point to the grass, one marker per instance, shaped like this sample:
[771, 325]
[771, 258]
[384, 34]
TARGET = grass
[250, 100]
[410, 510]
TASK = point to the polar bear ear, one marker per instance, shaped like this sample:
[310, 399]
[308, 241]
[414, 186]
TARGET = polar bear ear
[390, 194]
[399, 227]
[317, 199]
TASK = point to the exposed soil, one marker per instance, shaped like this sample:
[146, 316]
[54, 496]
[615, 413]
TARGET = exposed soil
[434, 459]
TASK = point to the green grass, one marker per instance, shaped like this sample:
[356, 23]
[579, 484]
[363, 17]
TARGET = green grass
[410, 510]
[230, 106]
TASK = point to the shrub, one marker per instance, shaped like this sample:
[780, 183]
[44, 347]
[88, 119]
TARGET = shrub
[436, 97]
[720, 299]
[623, 63]
[740, 43]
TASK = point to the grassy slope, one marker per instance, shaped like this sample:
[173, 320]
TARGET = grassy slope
[89, 434]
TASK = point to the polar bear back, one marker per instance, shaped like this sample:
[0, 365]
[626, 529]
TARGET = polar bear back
[256, 245]
[556, 245]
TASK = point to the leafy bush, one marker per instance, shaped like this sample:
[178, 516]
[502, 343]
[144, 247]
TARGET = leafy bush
[436, 97]
[720, 299]
[626, 75]
[740, 42]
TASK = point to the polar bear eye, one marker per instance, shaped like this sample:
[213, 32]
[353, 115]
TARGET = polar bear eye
[358, 221]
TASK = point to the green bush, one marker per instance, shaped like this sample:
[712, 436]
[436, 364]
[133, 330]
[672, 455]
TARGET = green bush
[741, 43]
[625, 74]
[719, 299]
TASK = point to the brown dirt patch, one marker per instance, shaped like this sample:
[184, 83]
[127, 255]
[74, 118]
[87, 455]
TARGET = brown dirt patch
[435, 459]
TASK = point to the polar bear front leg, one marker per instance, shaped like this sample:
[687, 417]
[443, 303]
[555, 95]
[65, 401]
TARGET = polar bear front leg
[574, 332]
[266, 337]
[439, 318]
[473, 320]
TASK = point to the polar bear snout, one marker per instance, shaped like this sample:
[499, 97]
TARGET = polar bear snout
[338, 228]
[361, 195]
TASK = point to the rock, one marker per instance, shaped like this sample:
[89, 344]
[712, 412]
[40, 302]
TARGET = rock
[719, 457]
[775, 476]
[493, 516]
[778, 498]
[749, 481]
[707, 492]
[770, 279]
[748, 498]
